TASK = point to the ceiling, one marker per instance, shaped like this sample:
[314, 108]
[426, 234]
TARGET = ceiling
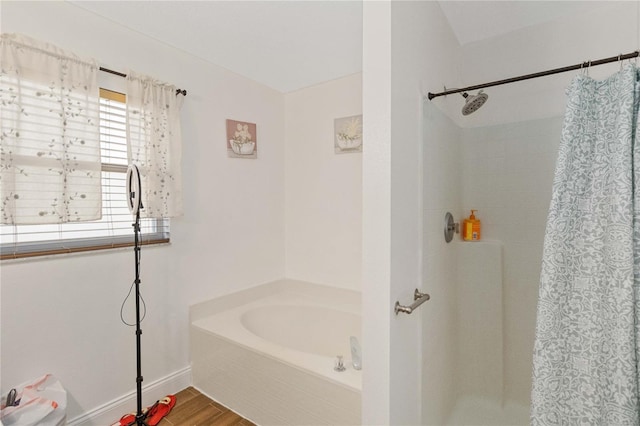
[288, 45]
[473, 21]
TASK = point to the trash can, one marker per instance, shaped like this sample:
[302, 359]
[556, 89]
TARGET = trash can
[41, 402]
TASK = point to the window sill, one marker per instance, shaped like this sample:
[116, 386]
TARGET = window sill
[78, 250]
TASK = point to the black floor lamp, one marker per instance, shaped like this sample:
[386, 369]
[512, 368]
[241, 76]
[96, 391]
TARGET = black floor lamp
[135, 204]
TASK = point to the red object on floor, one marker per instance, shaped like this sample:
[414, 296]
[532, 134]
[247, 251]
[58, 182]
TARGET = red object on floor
[161, 409]
[126, 420]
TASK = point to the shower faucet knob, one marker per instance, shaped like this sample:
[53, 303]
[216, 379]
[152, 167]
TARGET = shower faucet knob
[450, 227]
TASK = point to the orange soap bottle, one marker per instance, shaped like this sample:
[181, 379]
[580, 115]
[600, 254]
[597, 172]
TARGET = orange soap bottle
[471, 228]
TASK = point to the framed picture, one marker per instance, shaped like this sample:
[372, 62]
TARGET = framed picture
[242, 139]
[347, 134]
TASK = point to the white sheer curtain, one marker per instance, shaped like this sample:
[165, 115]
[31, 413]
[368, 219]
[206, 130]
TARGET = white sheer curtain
[50, 169]
[155, 143]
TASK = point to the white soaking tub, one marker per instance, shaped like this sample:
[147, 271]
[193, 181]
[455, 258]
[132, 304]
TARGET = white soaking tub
[269, 352]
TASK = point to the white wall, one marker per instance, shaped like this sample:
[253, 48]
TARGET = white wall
[508, 174]
[408, 48]
[61, 314]
[376, 213]
[442, 193]
[323, 190]
[423, 55]
[607, 31]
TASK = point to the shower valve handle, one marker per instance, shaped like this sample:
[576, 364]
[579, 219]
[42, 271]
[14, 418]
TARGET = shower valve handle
[450, 227]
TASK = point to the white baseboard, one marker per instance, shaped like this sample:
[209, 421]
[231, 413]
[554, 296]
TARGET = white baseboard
[110, 412]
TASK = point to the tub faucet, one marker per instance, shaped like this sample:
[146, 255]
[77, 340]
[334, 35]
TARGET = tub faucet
[356, 353]
[339, 364]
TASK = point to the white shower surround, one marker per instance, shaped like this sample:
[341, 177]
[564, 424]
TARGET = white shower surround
[268, 353]
[486, 291]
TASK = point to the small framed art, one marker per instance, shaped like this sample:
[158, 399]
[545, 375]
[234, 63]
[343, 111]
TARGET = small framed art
[242, 139]
[347, 134]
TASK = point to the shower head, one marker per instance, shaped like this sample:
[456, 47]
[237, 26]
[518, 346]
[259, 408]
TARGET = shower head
[473, 102]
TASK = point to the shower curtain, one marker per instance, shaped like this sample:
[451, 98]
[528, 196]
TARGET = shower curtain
[587, 348]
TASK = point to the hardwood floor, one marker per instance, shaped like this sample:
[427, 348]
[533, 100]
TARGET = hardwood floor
[195, 409]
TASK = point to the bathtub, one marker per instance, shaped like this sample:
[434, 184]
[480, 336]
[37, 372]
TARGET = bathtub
[268, 353]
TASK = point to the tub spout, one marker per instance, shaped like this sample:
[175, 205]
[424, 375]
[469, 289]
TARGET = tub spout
[356, 353]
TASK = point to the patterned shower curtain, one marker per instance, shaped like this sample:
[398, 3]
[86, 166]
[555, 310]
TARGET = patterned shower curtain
[587, 348]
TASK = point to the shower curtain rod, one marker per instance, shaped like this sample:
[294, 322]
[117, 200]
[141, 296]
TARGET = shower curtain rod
[586, 64]
[182, 92]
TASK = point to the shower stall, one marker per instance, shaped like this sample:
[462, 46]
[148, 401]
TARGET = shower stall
[496, 155]
[466, 355]
[486, 290]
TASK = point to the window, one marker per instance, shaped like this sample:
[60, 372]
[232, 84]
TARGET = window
[115, 228]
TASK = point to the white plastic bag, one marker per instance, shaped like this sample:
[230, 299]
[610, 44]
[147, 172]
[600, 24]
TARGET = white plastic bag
[43, 402]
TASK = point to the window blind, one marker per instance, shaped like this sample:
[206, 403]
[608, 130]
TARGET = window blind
[115, 228]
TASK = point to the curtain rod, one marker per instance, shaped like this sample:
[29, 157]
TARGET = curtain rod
[586, 64]
[182, 92]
